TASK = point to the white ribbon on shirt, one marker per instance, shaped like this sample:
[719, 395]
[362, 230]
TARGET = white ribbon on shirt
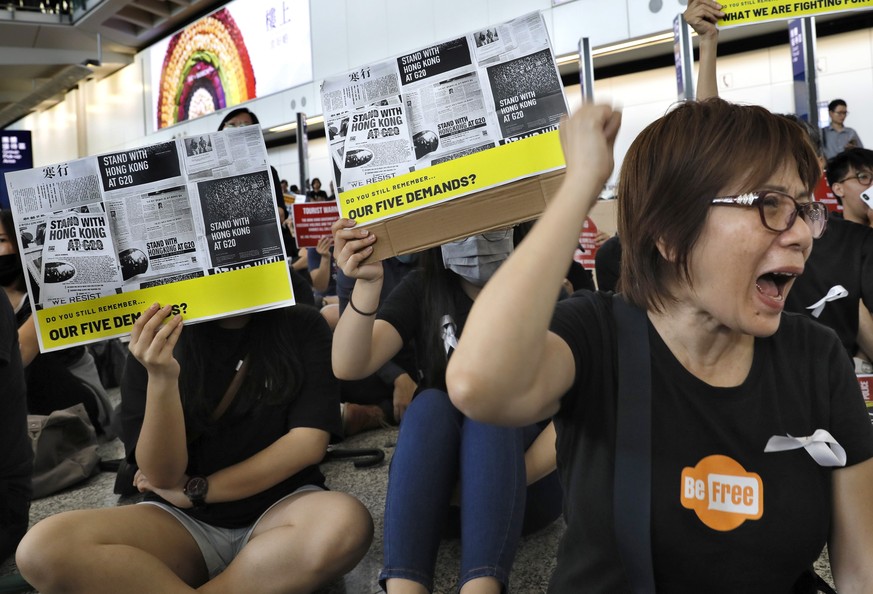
[821, 445]
[450, 341]
[836, 292]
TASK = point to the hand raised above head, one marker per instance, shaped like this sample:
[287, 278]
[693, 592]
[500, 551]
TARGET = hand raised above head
[152, 341]
[702, 16]
[352, 246]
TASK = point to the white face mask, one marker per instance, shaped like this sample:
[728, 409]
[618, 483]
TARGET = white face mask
[478, 257]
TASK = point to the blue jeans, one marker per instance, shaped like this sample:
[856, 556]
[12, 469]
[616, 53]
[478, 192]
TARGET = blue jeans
[437, 448]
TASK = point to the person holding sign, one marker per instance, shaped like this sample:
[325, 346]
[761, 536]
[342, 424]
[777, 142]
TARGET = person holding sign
[760, 449]
[503, 477]
[227, 421]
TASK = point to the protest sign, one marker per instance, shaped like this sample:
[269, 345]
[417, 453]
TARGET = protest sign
[744, 12]
[451, 119]
[587, 250]
[189, 222]
[312, 221]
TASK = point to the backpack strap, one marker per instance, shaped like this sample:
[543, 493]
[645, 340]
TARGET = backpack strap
[632, 483]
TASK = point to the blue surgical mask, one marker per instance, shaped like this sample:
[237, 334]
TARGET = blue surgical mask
[478, 257]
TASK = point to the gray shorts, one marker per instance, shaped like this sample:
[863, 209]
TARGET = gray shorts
[220, 546]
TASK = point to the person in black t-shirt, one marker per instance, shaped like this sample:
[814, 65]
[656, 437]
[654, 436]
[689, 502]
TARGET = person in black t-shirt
[504, 476]
[16, 460]
[761, 450]
[227, 422]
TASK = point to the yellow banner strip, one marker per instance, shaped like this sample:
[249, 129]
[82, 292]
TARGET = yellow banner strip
[744, 12]
[196, 299]
[464, 175]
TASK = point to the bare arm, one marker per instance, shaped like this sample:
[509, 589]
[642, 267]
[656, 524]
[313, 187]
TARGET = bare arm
[515, 373]
[702, 16]
[161, 451]
[361, 344]
[288, 455]
[852, 528]
[540, 459]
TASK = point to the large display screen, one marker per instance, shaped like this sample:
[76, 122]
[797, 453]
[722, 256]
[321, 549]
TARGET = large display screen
[15, 153]
[247, 49]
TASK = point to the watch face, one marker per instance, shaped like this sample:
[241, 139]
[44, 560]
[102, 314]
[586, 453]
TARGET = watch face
[196, 487]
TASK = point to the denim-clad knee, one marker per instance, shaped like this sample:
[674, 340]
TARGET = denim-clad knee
[436, 448]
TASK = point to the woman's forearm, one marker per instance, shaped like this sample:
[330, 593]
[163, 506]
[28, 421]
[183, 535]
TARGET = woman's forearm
[299, 448]
[508, 367]
[162, 451]
[358, 351]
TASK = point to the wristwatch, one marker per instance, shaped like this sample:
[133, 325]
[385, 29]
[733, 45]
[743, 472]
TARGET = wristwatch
[196, 489]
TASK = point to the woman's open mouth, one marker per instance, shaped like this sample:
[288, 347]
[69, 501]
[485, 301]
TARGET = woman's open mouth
[772, 284]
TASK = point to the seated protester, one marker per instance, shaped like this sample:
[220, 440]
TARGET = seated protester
[504, 476]
[16, 459]
[55, 380]
[227, 421]
[381, 398]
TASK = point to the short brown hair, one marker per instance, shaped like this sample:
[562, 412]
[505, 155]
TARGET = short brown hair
[676, 166]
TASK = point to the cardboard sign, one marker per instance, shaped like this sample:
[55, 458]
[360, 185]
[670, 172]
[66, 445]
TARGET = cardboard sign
[312, 221]
[448, 122]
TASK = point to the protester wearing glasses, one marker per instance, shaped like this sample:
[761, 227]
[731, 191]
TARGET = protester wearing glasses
[840, 269]
[716, 223]
[837, 137]
[836, 288]
[501, 479]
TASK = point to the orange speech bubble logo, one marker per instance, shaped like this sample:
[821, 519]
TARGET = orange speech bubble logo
[722, 493]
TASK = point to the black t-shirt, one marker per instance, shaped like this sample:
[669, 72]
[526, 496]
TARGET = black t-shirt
[16, 461]
[403, 309]
[607, 264]
[842, 256]
[236, 437]
[705, 437]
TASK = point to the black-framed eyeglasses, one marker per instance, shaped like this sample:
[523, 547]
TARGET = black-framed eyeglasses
[841, 112]
[779, 211]
[864, 178]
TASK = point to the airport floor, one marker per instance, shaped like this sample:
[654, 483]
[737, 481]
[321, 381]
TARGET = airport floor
[533, 565]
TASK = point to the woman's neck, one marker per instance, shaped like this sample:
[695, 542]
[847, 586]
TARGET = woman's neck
[710, 351]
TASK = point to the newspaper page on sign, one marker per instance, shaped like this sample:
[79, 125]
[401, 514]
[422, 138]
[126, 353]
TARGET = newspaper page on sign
[443, 102]
[114, 233]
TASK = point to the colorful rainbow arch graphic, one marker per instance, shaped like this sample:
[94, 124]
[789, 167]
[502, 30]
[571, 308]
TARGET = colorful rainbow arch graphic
[206, 68]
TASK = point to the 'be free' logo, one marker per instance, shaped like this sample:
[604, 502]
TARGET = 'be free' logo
[722, 493]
